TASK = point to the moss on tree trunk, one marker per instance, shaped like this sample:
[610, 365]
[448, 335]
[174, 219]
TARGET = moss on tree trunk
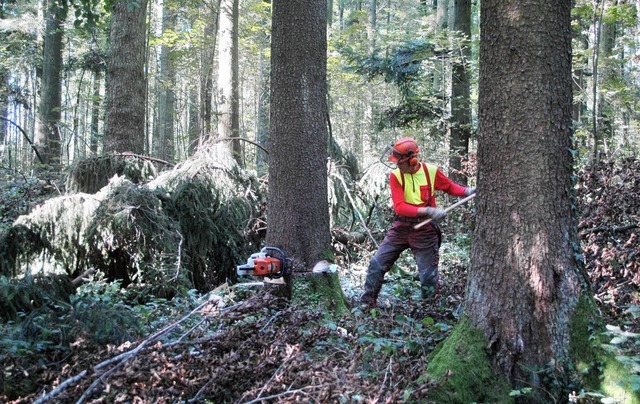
[320, 291]
[462, 372]
[461, 369]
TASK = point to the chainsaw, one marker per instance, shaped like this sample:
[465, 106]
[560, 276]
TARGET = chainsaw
[270, 262]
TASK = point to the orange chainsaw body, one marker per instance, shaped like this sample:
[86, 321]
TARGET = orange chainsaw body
[266, 266]
[270, 262]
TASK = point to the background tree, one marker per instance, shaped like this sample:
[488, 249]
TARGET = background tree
[297, 207]
[228, 92]
[460, 131]
[163, 142]
[525, 283]
[48, 136]
[126, 82]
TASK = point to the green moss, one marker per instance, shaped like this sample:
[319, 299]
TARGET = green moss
[320, 291]
[462, 372]
[600, 370]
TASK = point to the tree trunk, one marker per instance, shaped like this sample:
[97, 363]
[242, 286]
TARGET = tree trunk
[524, 283]
[229, 121]
[126, 81]
[48, 137]
[442, 21]
[460, 95]
[262, 131]
[372, 25]
[297, 207]
[163, 141]
[607, 76]
[95, 139]
[4, 100]
[193, 129]
[206, 78]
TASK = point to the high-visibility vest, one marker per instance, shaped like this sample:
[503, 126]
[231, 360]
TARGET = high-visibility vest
[424, 177]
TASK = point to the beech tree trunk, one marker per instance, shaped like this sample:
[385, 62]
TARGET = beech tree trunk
[297, 207]
[126, 81]
[524, 283]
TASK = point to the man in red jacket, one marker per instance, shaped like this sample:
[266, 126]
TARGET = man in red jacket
[413, 185]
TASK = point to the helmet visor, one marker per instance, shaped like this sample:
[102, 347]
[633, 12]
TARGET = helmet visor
[390, 154]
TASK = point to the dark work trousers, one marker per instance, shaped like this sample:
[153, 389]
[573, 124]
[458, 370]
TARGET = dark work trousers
[424, 243]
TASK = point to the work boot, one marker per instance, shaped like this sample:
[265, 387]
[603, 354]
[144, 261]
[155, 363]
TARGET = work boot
[430, 295]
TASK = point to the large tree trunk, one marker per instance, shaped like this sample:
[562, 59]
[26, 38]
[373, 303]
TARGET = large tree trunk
[524, 283]
[460, 95]
[297, 207]
[229, 121]
[126, 81]
[48, 136]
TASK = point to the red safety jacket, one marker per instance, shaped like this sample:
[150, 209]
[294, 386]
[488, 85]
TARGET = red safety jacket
[411, 191]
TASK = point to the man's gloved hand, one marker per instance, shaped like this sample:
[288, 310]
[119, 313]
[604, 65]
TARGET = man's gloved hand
[435, 213]
[469, 191]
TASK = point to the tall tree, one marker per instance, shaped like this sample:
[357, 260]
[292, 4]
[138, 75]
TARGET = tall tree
[48, 136]
[96, 103]
[163, 142]
[525, 282]
[460, 92]
[126, 81]
[228, 84]
[297, 207]
[208, 51]
[262, 124]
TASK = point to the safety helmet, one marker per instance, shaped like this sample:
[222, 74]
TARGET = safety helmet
[403, 149]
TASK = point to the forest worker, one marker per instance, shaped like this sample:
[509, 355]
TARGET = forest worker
[413, 184]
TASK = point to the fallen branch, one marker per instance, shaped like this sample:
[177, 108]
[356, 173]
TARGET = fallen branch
[33, 146]
[612, 229]
[288, 392]
[61, 387]
[123, 358]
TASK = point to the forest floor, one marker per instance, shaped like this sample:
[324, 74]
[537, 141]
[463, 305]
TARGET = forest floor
[241, 345]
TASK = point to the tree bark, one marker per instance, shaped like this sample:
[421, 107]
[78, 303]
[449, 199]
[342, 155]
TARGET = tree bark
[126, 81]
[229, 121]
[524, 283]
[96, 103]
[460, 94]
[297, 207]
[206, 77]
[163, 142]
[262, 131]
[48, 137]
